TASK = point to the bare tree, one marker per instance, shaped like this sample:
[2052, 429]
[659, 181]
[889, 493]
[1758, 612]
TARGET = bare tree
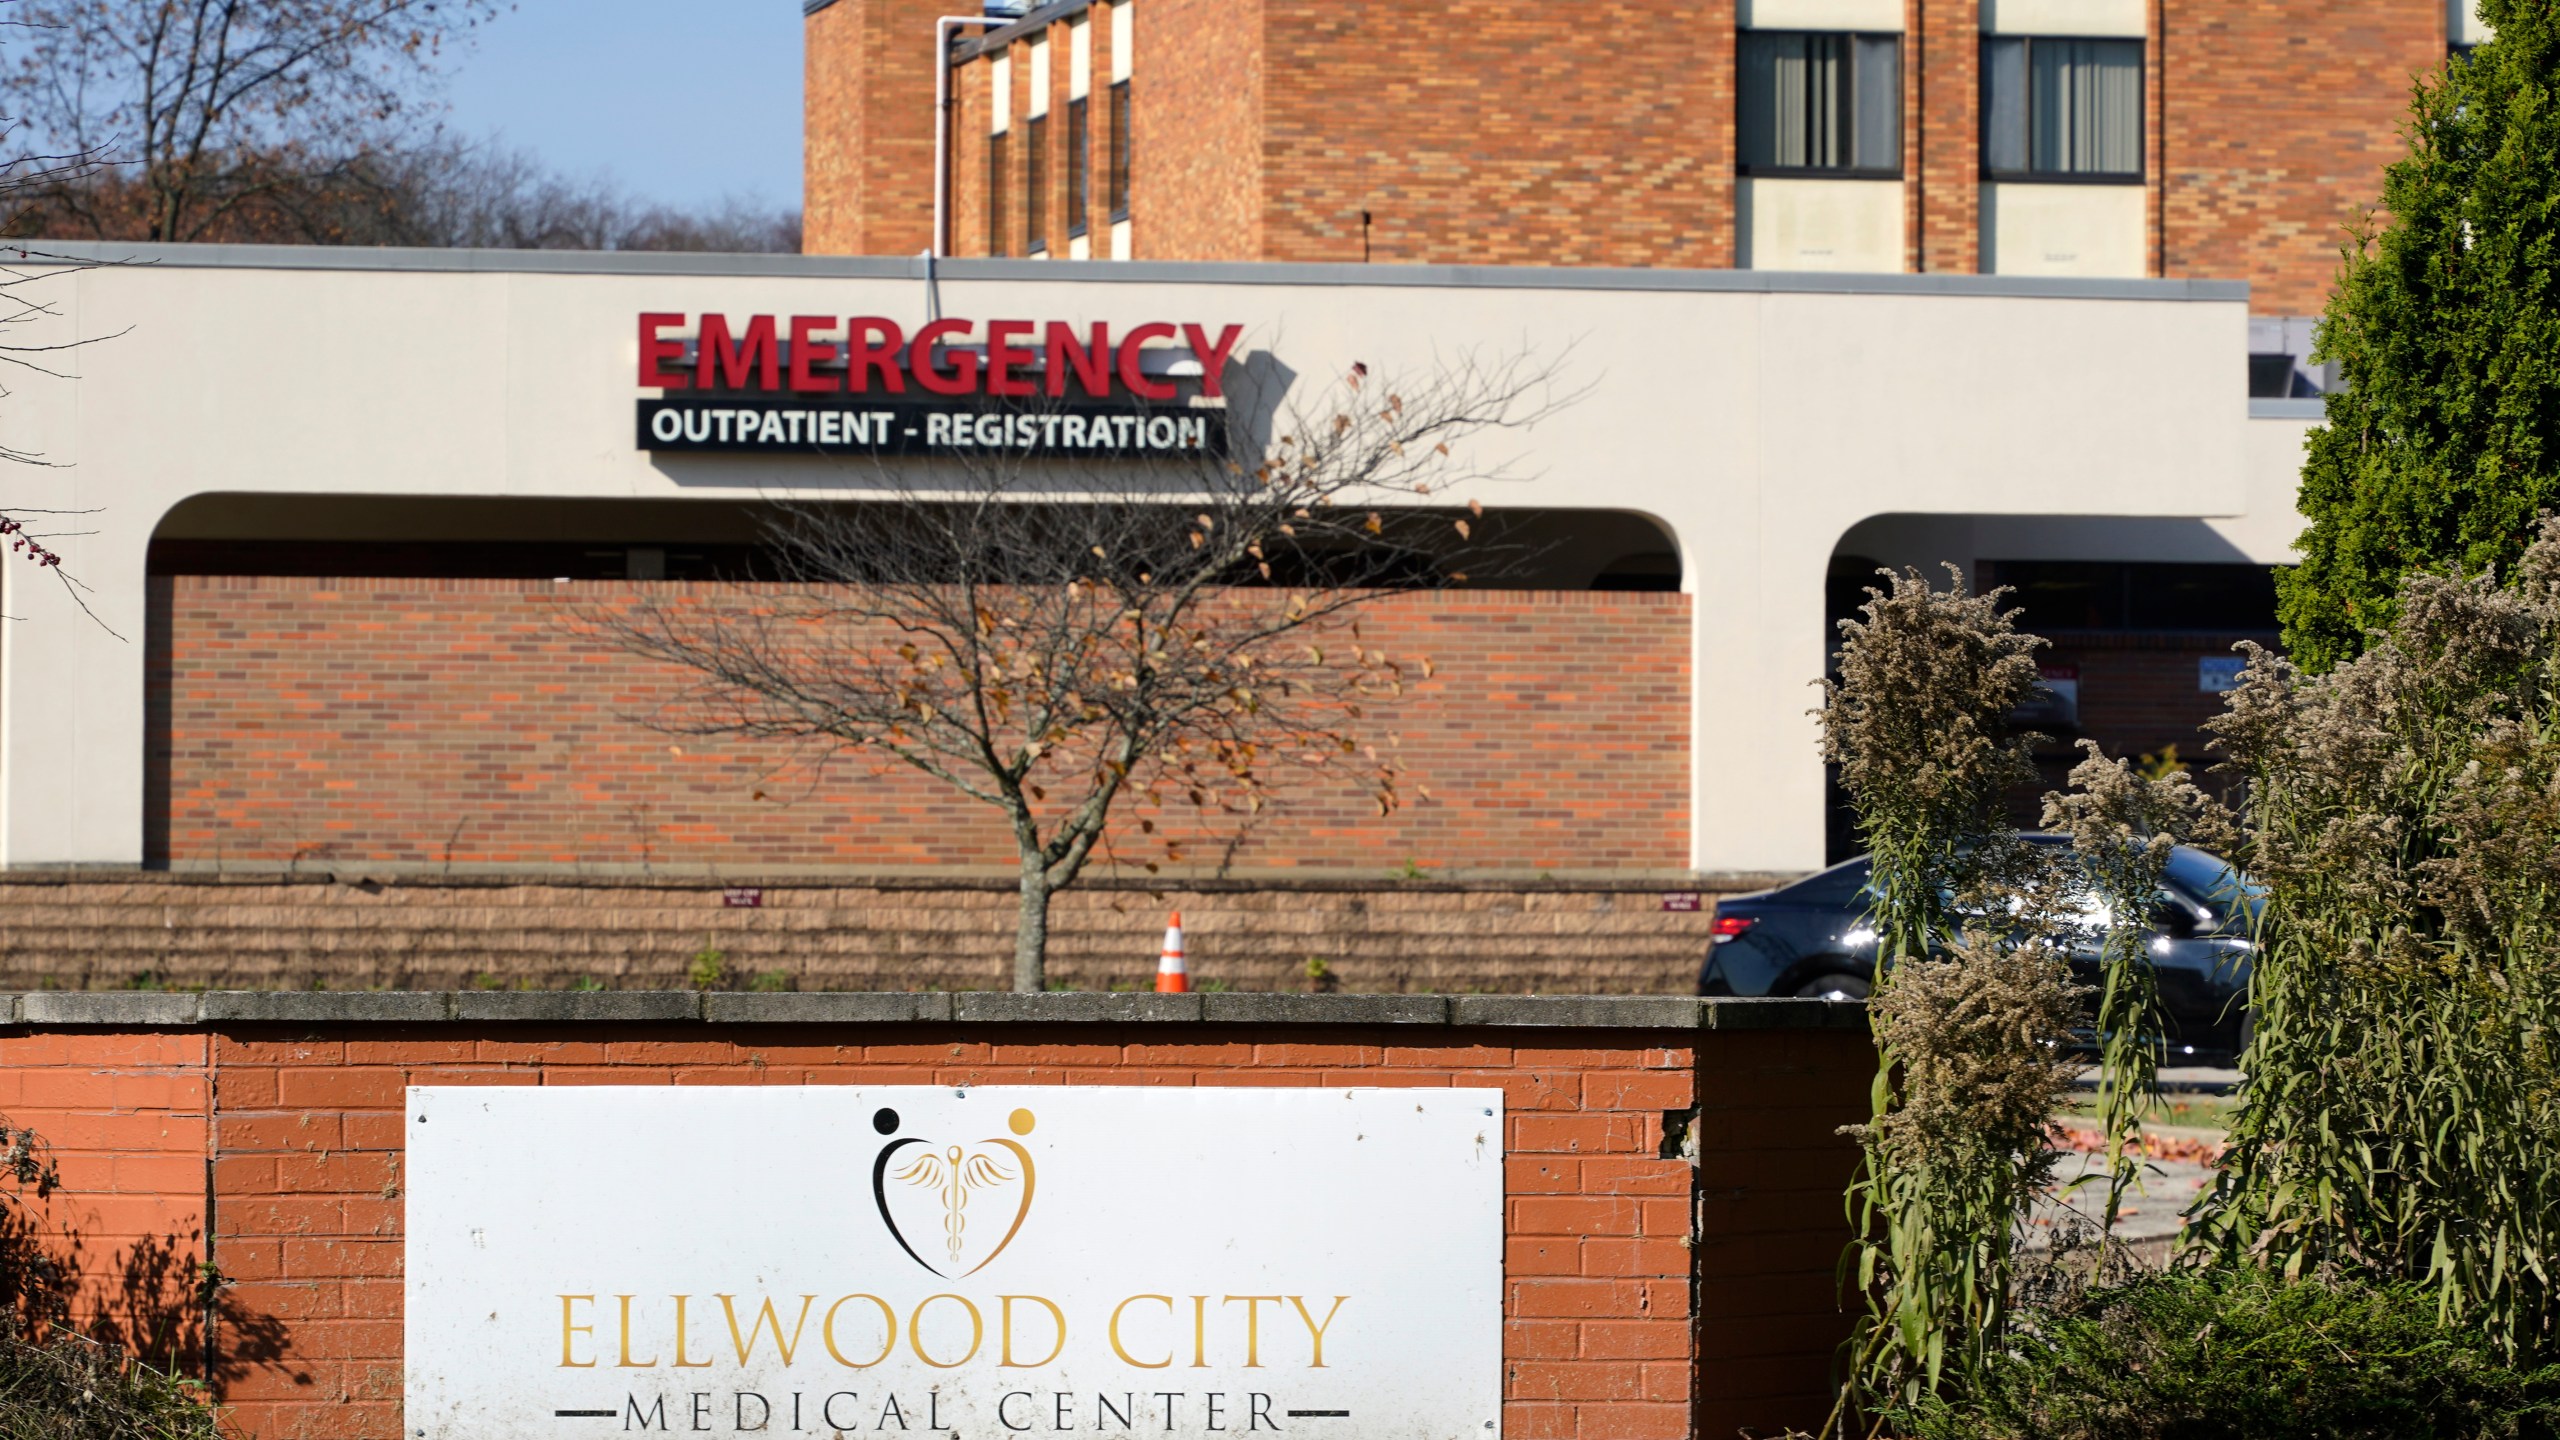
[28, 280]
[1058, 641]
[213, 108]
[490, 198]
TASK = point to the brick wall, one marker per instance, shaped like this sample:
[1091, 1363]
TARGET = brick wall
[1645, 1297]
[1599, 133]
[2280, 116]
[1602, 133]
[2138, 690]
[867, 154]
[125, 1117]
[471, 722]
[1197, 189]
[364, 930]
[1943, 145]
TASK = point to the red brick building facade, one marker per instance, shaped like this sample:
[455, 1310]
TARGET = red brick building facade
[1593, 134]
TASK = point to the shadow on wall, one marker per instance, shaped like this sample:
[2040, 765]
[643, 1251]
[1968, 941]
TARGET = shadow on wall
[155, 1300]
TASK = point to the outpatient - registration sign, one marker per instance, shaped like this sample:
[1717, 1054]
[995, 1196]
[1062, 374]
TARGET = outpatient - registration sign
[928, 1261]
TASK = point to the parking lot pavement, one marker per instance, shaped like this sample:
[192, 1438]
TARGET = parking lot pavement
[2177, 1167]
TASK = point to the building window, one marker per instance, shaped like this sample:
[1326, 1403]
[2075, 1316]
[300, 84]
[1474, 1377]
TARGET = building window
[1079, 167]
[1035, 185]
[999, 190]
[1821, 103]
[2061, 109]
[1120, 151]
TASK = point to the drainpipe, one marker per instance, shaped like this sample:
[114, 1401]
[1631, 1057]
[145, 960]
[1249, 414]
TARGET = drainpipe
[943, 26]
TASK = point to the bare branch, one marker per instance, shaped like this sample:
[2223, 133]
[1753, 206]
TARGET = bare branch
[1065, 641]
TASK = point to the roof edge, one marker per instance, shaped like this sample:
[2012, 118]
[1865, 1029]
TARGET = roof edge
[1105, 272]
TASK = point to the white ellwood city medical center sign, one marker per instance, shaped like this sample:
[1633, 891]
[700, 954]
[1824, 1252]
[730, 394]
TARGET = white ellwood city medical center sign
[932, 1262]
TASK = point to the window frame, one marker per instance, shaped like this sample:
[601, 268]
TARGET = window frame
[1079, 165]
[1826, 172]
[1035, 180]
[2139, 175]
[1116, 183]
[999, 194]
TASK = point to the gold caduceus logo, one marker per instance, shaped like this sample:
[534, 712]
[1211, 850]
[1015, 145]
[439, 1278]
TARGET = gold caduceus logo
[949, 1177]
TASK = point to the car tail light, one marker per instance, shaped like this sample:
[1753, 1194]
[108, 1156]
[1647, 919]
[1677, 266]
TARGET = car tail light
[1728, 926]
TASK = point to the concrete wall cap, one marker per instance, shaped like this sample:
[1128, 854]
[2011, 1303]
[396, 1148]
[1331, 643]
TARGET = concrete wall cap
[1275, 1009]
[388, 1006]
[1001, 1007]
[1670, 1012]
[116, 1008]
[578, 1005]
[825, 1008]
[51, 1008]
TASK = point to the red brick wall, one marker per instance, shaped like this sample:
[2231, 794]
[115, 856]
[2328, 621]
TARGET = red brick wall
[2281, 115]
[867, 132]
[2138, 692]
[1944, 146]
[1197, 189]
[125, 1117]
[1602, 133]
[1644, 1299]
[427, 721]
[1589, 149]
[1598, 133]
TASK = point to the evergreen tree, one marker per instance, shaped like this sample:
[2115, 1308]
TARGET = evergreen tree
[2444, 445]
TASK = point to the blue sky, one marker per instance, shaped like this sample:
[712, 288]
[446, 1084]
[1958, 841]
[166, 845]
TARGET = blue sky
[683, 101]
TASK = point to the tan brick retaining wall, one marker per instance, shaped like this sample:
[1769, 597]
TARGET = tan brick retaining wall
[362, 929]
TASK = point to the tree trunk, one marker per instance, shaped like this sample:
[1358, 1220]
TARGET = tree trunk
[1031, 931]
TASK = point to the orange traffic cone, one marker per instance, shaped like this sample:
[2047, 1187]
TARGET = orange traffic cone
[1171, 977]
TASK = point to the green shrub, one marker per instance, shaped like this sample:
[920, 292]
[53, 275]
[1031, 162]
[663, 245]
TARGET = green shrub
[2445, 441]
[67, 1387]
[2245, 1354]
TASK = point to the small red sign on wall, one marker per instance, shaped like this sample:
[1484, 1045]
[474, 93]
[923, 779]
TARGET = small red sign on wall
[743, 897]
[1685, 902]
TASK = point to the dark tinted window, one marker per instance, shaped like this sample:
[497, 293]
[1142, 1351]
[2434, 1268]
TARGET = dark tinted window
[2105, 595]
[2056, 107]
[1079, 168]
[1820, 101]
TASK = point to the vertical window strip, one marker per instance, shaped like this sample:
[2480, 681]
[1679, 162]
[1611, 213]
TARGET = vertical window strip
[1035, 184]
[1121, 147]
[999, 193]
[1079, 167]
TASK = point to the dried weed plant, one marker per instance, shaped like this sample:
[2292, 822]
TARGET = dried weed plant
[1973, 997]
[2402, 1115]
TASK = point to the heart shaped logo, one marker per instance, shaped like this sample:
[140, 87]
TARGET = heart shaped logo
[953, 1206]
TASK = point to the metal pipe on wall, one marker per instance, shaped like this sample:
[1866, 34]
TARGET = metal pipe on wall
[943, 25]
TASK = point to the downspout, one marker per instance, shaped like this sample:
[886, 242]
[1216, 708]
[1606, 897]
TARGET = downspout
[943, 26]
[1919, 71]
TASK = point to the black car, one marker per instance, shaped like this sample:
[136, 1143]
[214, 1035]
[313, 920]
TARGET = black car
[1811, 938]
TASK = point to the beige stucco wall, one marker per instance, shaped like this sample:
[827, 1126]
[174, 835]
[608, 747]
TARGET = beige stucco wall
[1756, 423]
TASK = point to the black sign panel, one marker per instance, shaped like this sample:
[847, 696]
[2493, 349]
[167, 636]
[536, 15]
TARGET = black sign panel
[751, 426]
